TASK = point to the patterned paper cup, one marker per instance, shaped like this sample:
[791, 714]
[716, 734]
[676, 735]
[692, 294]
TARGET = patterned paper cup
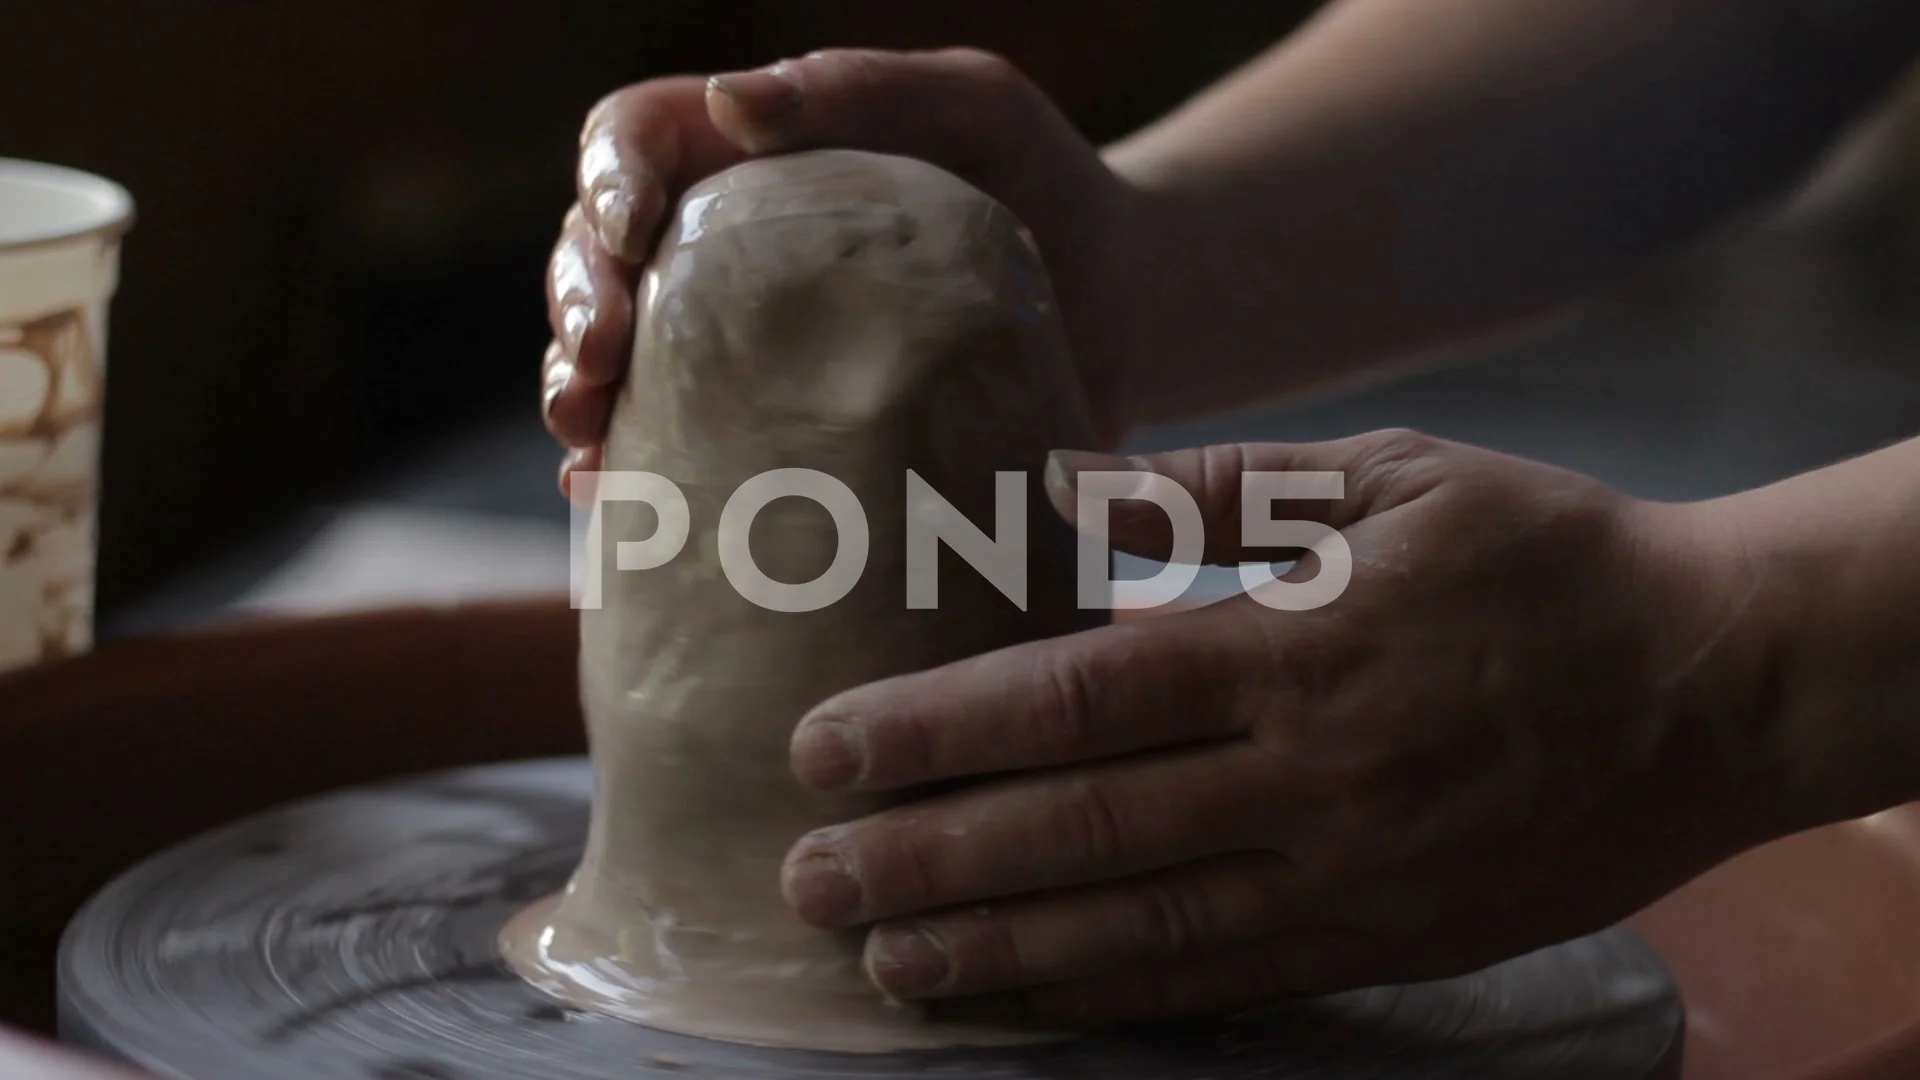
[59, 261]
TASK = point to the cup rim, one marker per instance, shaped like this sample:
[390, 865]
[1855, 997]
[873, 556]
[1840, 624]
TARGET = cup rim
[111, 216]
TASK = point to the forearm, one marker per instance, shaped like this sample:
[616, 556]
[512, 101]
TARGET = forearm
[1829, 627]
[1403, 174]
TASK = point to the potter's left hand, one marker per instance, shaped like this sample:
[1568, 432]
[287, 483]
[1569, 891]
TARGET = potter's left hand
[1532, 711]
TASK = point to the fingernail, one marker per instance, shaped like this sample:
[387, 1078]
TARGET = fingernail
[908, 961]
[574, 321]
[822, 889]
[1062, 475]
[829, 754]
[761, 96]
[613, 218]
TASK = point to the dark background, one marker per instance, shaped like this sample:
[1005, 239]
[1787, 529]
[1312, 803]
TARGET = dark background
[345, 207]
[345, 211]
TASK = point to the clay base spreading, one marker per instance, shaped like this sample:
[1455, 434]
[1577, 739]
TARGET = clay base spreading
[352, 937]
[769, 1010]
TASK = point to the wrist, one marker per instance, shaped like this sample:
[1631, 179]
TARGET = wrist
[1729, 776]
[1803, 682]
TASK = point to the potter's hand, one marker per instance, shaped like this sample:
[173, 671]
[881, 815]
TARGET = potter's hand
[1528, 715]
[966, 111]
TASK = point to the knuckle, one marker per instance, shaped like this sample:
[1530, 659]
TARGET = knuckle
[996, 99]
[1221, 468]
[599, 111]
[1064, 724]
[1396, 444]
[907, 750]
[1002, 92]
[565, 281]
[1089, 824]
[1317, 669]
[990, 68]
[910, 880]
[1303, 675]
[1169, 924]
[1393, 465]
[612, 109]
[990, 953]
[850, 69]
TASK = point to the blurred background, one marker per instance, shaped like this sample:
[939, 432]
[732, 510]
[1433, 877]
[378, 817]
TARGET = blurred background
[326, 342]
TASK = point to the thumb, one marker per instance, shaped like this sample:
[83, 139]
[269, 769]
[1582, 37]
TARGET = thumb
[970, 112]
[1336, 484]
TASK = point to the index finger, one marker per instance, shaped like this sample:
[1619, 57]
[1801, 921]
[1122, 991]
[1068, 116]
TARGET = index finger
[1105, 692]
[640, 148]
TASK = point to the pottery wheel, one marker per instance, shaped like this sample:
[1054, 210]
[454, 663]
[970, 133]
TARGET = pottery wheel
[351, 937]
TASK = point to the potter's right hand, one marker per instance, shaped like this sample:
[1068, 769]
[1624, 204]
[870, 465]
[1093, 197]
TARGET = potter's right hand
[1538, 705]
[964, 110]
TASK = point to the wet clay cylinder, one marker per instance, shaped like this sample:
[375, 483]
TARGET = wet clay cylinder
[860, 316]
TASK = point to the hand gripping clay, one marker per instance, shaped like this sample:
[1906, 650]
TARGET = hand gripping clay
[854, 315]
[858, 316]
